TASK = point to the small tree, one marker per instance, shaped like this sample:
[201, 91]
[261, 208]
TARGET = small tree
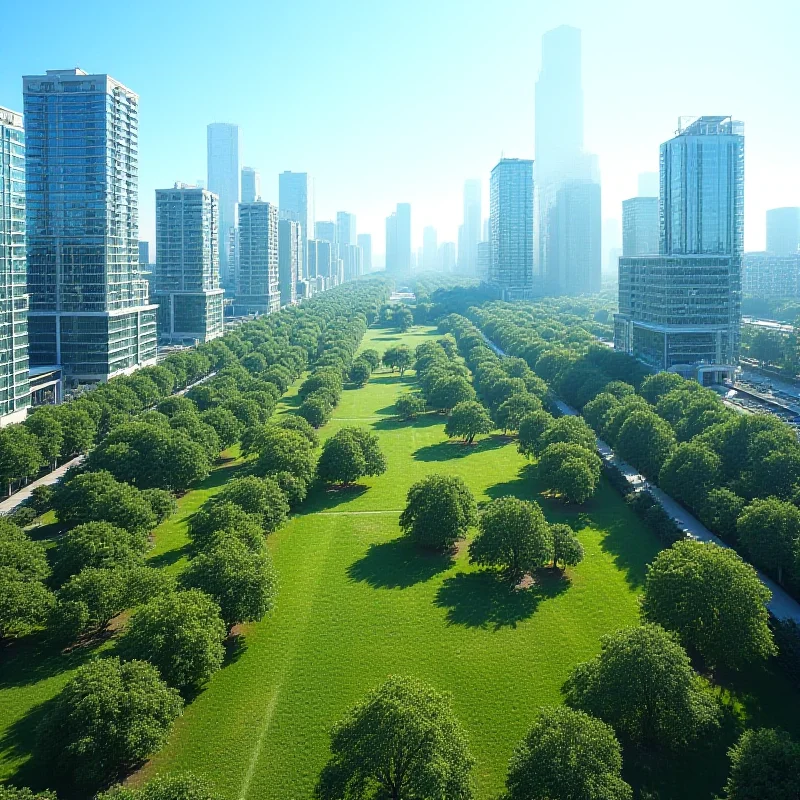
[765, 765]
[372, 357]
[403, 318]
[45, 424]
[179, 633]
[511, 412]
[567, 754]
[261, 497]
[281, 450]
[468, 419]
[531, 429]
[350, 454]
[438, 512]
[575, 479]
[408, 405]
[241, 581]
[402, 741]
[359, 373]
[398, 357]
[513, 534]
[107, 718]
[20, 456]
[567, 549]
[168, 787]
[25, 605]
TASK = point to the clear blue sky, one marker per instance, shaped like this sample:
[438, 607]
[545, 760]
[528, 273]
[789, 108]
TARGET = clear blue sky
[384, 102]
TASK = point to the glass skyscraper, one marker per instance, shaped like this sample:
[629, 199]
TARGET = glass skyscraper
[257, 286]
[89, 310]
[296, 202]
[225, 180]
[14, 387]
[640, 226]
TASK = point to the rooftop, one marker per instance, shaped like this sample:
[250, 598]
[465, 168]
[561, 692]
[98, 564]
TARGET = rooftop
[709, 126]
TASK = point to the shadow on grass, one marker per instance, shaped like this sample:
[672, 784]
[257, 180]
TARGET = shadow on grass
[397, 564]
[455, 448]
[524, 486]
[291, 404]
[486, 599]
[422, 421]
[392, 377]
[18, 742]
[392, 337]
[169, 557]
[324, 497]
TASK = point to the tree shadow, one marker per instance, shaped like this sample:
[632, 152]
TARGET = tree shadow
[18, 743]
[387, 411]
[455, 448]
[324, 497]
[485, 599]
[392, 337]
[524, 486]
[170, 557]
[422, 421]
[397, 564]
[393, 377]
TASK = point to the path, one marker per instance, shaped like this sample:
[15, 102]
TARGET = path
[10, 504]
[782, 605]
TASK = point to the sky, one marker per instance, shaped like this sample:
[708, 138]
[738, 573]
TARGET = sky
[401, 102]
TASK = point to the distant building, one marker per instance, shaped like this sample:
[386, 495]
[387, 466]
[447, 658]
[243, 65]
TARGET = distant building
[447, 256]
[430, 249]
[351, 257]
[468, 256]
[186, 280]
[640, 226]
[783, 231]
[224, 180]
[364, 241]
[144, 254]
[345, 228]
[648, 185]
[766, 275]
[511, 228]
[484, 260]
[258, 289]
[251, 185]
[403, 241]
[290, 248]
[326, 231]
[296, 203]
[391, 242]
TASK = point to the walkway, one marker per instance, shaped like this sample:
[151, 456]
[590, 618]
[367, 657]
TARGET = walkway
[10, 504]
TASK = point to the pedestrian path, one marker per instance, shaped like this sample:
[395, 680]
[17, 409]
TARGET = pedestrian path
[10, 504]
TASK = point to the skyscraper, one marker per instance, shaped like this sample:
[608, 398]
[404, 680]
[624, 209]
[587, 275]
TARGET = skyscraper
[89, 310]
[251, 185]
[144, 254]
[225, 181]
[257, 288]
[391, 242]
[14, 385]
[186, 284]
[345, 228]
[640, 226]
[295, 203]
[511, 228]
[430, 249]
[403, 237]
[326, 231]
[447, 256]
[471, 235]
[290, 246]
[783, 231]
[484, 259]
[365, 243]
[680, 310]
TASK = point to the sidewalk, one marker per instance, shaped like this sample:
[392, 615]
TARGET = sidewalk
[8, 505]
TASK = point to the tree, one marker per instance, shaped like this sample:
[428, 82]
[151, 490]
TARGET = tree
[575, 479]
[25, 605]
[20, 556]
[372, 357]
[294, 488]
[241, 581]
[316, 410]
[596, 411]
[765, 765]
[403, 318]
[567, 549]
[281, 450]
[45, 424]
[468, 419]
[293, 422]
[531, 430]
[555, 456]
[514, 535]
[769, 532]
[108, 717]
[402, 742]
[567, 754]
[656, 386]
[646, 441]
[20, 456]
[359, 373]
[261, 497]
[511, 412]
[449, 391]
[215, 521]
[689, 473]
[161, 502]
[568, 429]
[168, 787]
[350, 454]
[408, 405]
[224, 422]
[398, 357]
[712, 600]
[24, 793]
[79, 430]
[643, 685]
[439, 510]
[177, 404]
[720, 512]
[179, 633]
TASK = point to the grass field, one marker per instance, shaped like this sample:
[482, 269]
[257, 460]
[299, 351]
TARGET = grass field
[357, 604]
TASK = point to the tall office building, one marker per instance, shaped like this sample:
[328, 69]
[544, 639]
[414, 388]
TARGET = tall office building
[391, 242]
[14, 383]
[89, 310]
[766, 275]
[511, 228]
[680, 310]
[648, 184]
[290, 253]
[351, 257]
[403, 242]
[295, 201]
[640, 226]
[430, 249]
[186, 282]
[326, 231]
[251, 185]
[484, 259]
[144, 254]
[257, 286]
[447, 256]
[345, 228]
[320, 261]
[364, 241]
[471, 234]
[224, 144]
[783, 231]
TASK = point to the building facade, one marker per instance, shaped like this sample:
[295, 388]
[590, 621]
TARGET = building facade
[783, 231]
[680, 310]
[391, 242]
[89, 307]
[14, 383]
[364, 241]
[766, 275]
[186, 283]
[224, 146]
[511, 228]
[257, 288]
[471, 233]
[296, 203]
[345, 228]
[326, 231]
[484, 259]
[251, 185]
[430, 249]
[640, 226]
[290, 254]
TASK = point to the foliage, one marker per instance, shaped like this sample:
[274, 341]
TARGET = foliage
[408, 405]
[769, 531]
[531, 429]
[449, 391]
[281, 450]
[260, 497]
[690, 473]
[216, 520]
[24, 605]
[570, 430]
[510, 413]
[645, 441]
[398, 357]
[168, 787]
[359, 373]
[468, 419]
[224, 422]
[720, 511]
[350, 454]
[765, 765]
[316, 410]
[293, 488]
[20, 454]
[567, 549]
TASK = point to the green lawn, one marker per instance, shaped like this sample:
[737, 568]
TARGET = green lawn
[356, 604]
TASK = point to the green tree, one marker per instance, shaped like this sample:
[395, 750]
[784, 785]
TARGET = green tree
[571, 430]
[690, 472]
[216, 520]
[350, 454]
[261, 497]
[769, 532]
[181, 634]
[765, 765]
[403, 318]
[45, 424]
[79, 430]
[408, 405]
[712, 600]
[20, 556]
[596, 411]
[316, 410]
[567, 549]
[720, 512]
[281, 450]
[449, 391]
[439, 510]
[531, 430]
[656, 386]
[401, 742]
[468, 419]
[242, 582]
[20, 456]
[25, 605]
[511, 412]
[575, 479]
[294, 488]
[224, 422]
[398, 357]
[168, 787]
[643, 685]
[359, 373]
[108, 717]
[24, 793]
[645, 441]
[513, 534]
[372, 357]
[567, 754]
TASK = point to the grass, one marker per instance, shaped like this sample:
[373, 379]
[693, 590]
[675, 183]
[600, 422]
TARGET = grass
[357, 604]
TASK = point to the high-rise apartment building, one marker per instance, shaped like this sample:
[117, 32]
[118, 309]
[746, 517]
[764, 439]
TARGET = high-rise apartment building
[783, 231]
[251, 185]
[364, 241]
[257, 287]
[89, 309]
[14, 384]
[295, 201]
[345, 228]
[351, 257]
[224, 144]
[511, 228]
[484, 260]
[766, 275]
[430, 249]
[326, 231]
[680, 310]
[290, 253]
[640, 226]
[186, 281]
[471, 233]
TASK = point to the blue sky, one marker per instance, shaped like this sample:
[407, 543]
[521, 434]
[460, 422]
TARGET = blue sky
[384, 102]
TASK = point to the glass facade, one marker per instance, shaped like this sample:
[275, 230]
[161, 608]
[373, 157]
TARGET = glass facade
[14, 386]
[225, 180]
[640, 226]
[257, 288]
[294, 201]
[84, 277]
[290, 248]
